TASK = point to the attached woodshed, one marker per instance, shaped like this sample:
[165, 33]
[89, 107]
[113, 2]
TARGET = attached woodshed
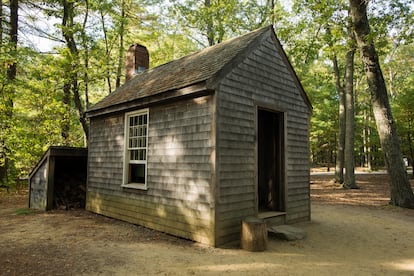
[59, 179]
[193, 146]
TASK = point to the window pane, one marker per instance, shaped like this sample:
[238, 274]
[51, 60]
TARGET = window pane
[134, 155]
[136, 173]
[141, 142]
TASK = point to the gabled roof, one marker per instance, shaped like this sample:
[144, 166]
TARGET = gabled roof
[184, 72]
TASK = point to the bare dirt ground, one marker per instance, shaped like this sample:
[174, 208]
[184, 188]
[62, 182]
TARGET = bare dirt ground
[352, 232]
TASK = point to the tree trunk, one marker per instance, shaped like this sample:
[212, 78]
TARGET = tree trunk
[67, 30]
[366, 137]
[8, 90]
[86, 57]
[12, 70]
[210, 31]
[339, 164]
[65, 123]
[121, 46]
[3, 155]
[410, 143]
[107, 53]
[349, 181]
[253, 235]
[1, 23]
[339, 168]
[401, 192]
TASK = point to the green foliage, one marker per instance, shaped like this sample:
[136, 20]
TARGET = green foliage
[311, 31]
[38, 112]
[401, 78]
[212, 21]
[324, 120]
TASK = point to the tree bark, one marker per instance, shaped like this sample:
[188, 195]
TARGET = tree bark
[107, 53]
[1, 23]
[349, 181]
[8, 90]
[339, 164]
[339, 168]
[366, 137]
[253, 235]
[14, 6]
[401, 192]
[86, 55]
[410, 144]
[121, 49]
[65, 123]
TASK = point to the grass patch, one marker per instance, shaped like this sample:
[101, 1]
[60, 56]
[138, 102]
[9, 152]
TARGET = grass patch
[23, 211]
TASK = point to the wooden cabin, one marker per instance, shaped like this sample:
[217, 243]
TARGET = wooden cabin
[193, 146]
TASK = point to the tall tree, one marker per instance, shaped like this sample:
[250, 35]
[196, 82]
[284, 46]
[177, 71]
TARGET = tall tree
[68, 31]
[103, 7]
[401, 192]
[7, 91]
[349, 179]
[121, 47]
[85, 40]
[340, 152]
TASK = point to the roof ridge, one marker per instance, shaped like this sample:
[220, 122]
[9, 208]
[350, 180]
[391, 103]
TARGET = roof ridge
[196, 67]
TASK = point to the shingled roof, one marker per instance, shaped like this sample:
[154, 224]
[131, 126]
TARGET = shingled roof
[189, 70]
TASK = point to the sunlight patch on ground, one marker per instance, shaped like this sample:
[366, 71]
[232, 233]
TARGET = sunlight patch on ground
[238, 267]
[403, 265]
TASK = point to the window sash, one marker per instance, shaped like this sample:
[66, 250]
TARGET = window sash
[136, 149]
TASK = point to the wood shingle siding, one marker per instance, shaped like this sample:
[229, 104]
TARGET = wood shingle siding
[180, 145]
[38, 188]
[261, 79]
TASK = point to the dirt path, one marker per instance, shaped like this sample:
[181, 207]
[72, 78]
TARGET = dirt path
[344, 239]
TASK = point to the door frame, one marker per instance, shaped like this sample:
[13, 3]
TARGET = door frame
[283, 185]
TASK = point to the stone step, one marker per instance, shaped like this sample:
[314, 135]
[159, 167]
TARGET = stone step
[286, 232]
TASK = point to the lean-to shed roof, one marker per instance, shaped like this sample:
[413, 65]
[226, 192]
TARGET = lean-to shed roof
[204, 65]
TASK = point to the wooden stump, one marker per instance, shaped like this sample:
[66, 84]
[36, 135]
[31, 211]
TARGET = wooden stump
[253, 234]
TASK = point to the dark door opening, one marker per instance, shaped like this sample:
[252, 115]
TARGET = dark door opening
[271, 161]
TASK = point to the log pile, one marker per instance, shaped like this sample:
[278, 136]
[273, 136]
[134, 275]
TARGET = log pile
[69, 191]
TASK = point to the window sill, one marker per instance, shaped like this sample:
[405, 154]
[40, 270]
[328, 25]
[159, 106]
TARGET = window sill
[135, 186]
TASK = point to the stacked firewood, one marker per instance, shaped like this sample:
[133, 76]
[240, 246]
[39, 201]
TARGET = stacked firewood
[69, 191]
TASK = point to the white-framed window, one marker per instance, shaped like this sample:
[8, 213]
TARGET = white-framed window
[135, 154]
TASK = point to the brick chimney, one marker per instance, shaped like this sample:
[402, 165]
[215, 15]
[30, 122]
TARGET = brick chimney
[137, 60]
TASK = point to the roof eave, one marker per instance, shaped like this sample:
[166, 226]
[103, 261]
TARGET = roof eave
[194, 90]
